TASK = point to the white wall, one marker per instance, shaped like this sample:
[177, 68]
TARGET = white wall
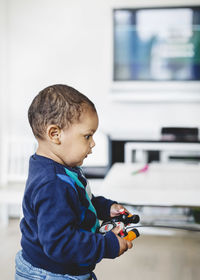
[3, 85]
[69, 41]
[54, 42]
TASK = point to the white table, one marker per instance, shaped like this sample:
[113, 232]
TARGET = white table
[161, 185]
[166, 149]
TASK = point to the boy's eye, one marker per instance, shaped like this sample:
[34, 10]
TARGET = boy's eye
[87, 137]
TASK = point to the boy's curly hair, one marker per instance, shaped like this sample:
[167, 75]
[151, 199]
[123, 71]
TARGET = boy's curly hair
[57, 104]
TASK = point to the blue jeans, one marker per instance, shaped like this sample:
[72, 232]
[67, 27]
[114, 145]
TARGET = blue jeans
[25, 271]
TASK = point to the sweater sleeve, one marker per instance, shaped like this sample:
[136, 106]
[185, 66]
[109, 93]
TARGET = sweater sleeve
[102, 206]
[55, 205]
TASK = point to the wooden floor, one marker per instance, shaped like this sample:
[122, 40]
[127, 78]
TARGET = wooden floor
[153, 257]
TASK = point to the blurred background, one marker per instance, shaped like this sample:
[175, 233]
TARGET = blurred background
[139, 62]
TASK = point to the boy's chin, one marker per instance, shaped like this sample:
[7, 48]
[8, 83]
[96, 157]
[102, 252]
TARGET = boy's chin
[80, 163]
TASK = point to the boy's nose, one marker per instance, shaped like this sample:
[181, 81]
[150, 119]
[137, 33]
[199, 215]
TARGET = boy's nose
[92, 144]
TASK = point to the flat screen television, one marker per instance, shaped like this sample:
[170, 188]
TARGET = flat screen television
[156, 45]
[156, 54]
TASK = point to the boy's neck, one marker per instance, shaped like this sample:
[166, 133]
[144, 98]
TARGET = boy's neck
[45, 151]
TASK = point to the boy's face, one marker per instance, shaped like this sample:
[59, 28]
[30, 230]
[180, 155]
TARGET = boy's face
[77, 139]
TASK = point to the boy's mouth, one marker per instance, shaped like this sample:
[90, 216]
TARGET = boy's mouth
[88, 154]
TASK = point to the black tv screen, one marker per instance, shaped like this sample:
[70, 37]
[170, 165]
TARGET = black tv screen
[156, 44]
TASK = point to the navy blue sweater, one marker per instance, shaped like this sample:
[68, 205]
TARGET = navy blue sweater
[60, 220]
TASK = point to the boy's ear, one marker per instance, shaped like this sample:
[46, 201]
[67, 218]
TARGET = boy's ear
[54, 133]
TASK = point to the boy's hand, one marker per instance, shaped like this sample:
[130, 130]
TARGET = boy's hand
[124, 244]
[115, 209]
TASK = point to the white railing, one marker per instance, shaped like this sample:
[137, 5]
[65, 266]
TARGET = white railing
[15, 153]
[14, 158]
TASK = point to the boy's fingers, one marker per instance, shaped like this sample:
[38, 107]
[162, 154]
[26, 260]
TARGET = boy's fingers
[117, 230]
[130, 244]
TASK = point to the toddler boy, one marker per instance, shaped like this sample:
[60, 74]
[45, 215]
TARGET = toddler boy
[59, 227]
